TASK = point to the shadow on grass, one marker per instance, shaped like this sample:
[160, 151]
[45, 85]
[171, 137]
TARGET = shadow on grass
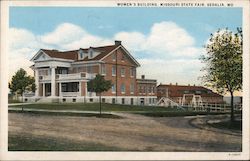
[228, 125]
[103, 115]
[31, 143]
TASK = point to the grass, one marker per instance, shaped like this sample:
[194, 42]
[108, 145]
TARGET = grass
[103, 115]
[32, 143]
[235, 125]
[14, 101]
[95, 107]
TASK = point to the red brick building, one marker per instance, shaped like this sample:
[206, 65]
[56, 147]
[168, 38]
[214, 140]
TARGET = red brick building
[63, 75]
[187, 95]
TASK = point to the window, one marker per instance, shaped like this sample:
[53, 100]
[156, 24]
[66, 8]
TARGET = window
[150, 100]
[90, 54]
[123, 100]
[132, 101]
[113, 100]
[113, 71]
[103, 69]
[122, 88]
[89, 69]
[113, 88]
[149, 89]
[103, 100]
[140, 89]
[185, 92]
[132, 88]
[123, 57]
[123, 72]
[91, 100]
[70, 87]
[144, 89]
[153, 89]
[132, 72]
[198, 92]
[81, 55]
[113, 57]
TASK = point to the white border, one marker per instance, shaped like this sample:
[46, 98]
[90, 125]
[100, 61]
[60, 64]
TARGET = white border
[5, 155]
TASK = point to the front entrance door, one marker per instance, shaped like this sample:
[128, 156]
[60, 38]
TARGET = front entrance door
[47, 89]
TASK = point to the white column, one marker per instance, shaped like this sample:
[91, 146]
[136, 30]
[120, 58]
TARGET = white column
[80, 88]
[43, 89]
[53, 81]
[60, 89]
[37, 82]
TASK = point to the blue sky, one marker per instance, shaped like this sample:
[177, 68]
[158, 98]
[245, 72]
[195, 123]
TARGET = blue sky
[132, 25]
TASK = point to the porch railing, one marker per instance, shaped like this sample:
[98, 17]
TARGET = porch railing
[70, 94]
[69, 76]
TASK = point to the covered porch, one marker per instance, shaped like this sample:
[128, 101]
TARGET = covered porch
[63, 89]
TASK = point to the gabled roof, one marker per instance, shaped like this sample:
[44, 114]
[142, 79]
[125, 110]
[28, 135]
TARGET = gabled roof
[105, 50]
[73, 54]
[176, 90]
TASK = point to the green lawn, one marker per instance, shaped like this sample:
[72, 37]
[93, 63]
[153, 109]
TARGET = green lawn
[33, 143]
[236, 125]
[14, 101]
[95, 107]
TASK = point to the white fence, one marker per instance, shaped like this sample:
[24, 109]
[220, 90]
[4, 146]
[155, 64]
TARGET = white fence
[217, 107]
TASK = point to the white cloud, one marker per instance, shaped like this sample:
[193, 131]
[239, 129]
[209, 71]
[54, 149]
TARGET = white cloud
[133, 40]
[170, 49]
[182, 71]
[168, 37]
[64, 33]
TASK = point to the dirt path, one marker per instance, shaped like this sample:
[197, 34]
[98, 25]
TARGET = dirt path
[133, 132]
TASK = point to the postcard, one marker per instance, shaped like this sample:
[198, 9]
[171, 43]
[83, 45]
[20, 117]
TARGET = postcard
[125, 80]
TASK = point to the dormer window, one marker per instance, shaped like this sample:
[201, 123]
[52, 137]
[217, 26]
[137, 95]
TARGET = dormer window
[90, 54]
[81, 54]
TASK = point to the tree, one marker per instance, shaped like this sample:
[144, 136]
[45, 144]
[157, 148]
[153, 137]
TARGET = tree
[21, 82]
[99, 85]
[223, 60]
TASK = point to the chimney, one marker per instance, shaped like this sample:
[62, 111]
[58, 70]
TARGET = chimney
[188, 84]
[194, 84]
[170, 84]
[142, 76]
[118, 42]
[176, 84]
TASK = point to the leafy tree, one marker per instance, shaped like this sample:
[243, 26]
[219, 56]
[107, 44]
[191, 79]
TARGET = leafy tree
[223, 60]
[99, 85]
[21, 82]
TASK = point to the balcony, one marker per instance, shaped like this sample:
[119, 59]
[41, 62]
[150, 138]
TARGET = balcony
[73, 76]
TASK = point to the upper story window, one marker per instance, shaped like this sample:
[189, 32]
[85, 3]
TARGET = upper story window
[123, 57]
[122, 88]
[198, 92]
[113, 70]
[132, 88]
[113, 57]
[43, 72]
[90, 54]
[113, 88]
[89, 69]
[132, 72]
[103, 69]
[185, 92]
[140, 89]
[149, 89]
[123, 72]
